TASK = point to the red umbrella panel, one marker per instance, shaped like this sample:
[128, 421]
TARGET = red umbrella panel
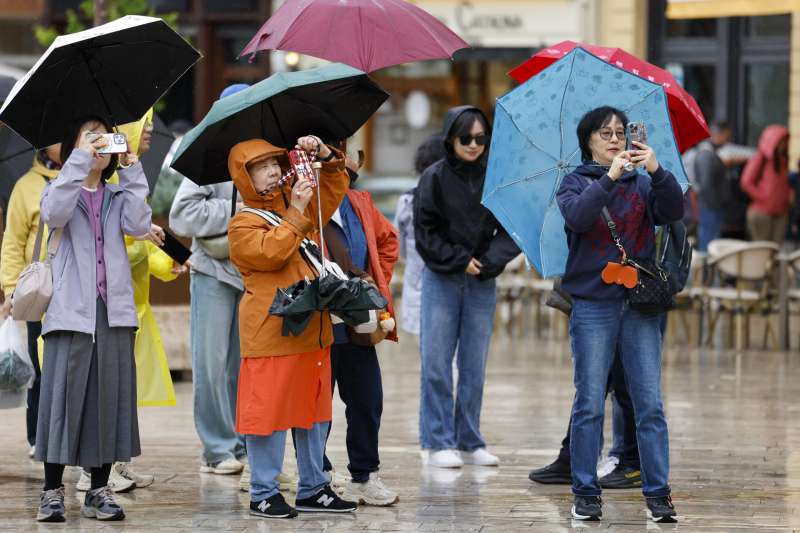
[688, 122]
[366, 34]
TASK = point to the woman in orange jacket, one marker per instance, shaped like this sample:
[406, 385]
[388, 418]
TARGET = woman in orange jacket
[284, 382]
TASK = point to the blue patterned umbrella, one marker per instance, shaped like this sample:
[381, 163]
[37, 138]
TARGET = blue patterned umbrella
[535, 144]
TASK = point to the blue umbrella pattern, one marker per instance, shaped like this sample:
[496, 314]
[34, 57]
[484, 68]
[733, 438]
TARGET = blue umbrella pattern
[535, 144]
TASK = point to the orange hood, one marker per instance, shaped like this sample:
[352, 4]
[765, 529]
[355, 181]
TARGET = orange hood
[247, 151]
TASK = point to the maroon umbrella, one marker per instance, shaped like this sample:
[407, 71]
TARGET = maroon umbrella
[365, 34]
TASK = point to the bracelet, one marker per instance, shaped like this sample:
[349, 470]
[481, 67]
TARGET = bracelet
[329, 158]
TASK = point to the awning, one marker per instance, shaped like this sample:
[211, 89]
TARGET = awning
[696, 9]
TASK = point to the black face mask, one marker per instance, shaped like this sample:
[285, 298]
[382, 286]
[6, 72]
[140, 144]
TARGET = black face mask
[353, 176]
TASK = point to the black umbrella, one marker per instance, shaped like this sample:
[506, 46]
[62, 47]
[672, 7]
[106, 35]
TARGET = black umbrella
[117, 71]
[16, 158]
[332, 102]
[6, 84]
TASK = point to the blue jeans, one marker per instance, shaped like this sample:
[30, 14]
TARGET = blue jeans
[214, 330]
[265, 455]
[617, 428]
[457, 314]
[709, 227]
[597, 328]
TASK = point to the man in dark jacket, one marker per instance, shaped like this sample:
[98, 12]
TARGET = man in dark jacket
[711, 184]
[464, 248]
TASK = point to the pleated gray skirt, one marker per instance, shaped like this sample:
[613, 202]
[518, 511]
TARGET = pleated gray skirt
[87, 406]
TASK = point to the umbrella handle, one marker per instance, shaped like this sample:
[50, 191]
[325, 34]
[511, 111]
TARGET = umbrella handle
[317, 167]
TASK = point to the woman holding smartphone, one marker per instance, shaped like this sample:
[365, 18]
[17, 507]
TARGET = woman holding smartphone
[601, 321]
[87, 409]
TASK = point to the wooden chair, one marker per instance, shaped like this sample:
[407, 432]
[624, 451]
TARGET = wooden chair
[690, 301]
[793, 293]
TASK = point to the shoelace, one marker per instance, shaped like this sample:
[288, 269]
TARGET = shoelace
[105, 496]
[53, 496]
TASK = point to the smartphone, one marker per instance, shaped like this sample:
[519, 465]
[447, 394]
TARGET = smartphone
[116, 143]
[175, 249]
[635, 131]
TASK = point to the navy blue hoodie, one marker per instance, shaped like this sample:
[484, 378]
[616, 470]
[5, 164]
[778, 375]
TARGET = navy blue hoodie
[636, 203]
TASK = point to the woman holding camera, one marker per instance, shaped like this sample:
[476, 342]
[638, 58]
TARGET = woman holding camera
[601, 318]
[87, 409]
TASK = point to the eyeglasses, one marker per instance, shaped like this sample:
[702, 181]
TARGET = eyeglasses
[606, 134]
[480, 140]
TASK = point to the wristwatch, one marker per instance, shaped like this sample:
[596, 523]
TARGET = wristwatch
[330, 157]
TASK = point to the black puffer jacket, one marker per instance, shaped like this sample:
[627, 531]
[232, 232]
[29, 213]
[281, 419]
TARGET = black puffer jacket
[450, 224]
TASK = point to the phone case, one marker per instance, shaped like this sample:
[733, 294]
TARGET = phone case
[175, 248]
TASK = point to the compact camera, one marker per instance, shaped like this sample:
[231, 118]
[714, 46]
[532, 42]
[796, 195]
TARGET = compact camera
[116, 143]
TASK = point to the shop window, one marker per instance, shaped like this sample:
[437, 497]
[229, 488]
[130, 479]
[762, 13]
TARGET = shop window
[699, 81]
[691, 28]
[769, 27]
[229, 6]
[767, 98]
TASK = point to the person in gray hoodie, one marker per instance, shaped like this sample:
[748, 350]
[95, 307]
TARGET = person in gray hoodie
[203, 213]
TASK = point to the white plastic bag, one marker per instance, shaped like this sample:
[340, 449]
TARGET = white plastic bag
[16, 369]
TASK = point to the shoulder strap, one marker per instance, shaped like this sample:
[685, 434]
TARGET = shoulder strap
[612, 228]
[52, 245]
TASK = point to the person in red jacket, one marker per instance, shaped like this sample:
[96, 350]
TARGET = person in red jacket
[765, 179]
[364, 243]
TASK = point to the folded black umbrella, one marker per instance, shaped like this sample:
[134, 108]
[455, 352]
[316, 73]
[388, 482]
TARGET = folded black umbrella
[351, 300]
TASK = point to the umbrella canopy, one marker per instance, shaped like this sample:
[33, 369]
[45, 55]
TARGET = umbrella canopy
[332, 102]
[117, 71]
[365, 34]
[534, 145]
[6, 84]
[687, 120]
[16, 157]
[351, 300]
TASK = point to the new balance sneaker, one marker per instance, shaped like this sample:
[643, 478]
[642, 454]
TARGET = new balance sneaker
[273, 507]
[244, 480]
[100, 504]
[444, 459]
[325, 501]
[125, 471]
[51, 505]
[116, 482]
[556, 473]
[371, 492]
[587, 508]
[607, 465]
[623, 477]
[661, 510]
[480, 457]
[226, 467]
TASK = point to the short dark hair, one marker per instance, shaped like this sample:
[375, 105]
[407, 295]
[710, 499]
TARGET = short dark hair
[720, 126]
[593, 121]
[71, 137]
[463, 124]
[429, 152]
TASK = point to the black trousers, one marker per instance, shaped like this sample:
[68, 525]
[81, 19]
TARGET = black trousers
[616, 383]
[32, 413]
[357, 372]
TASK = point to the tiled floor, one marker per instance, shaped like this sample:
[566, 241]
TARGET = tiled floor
[735, 441]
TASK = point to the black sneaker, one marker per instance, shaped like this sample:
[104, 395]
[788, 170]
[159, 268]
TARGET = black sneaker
[325, 501]
[622, 477]
[273, 507]
[661, 510]
[557, 473]
[587, 508]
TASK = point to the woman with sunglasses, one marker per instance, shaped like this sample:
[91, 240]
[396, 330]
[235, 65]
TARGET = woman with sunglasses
[464, 248]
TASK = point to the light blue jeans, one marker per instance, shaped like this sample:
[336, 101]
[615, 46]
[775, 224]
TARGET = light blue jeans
[214, 330]
[596, 329]
[457, 315]
[266, 460]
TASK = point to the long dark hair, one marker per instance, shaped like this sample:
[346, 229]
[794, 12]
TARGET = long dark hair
[593, 121]
[71, 137]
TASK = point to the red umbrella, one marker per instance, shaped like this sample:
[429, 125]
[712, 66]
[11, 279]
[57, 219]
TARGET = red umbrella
[365, 34]
[687, 120]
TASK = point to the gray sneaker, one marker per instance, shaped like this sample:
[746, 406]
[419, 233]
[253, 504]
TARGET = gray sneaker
[51, 508]
[100, 504]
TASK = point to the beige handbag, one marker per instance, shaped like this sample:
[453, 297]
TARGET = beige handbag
[35, 284]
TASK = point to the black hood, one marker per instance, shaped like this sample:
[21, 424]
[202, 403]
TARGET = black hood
[590, 169]
[457, 164]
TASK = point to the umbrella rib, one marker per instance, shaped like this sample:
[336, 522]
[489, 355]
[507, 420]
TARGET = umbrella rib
[527, 138]
[645, 97]
[526, 178]
[561, 110]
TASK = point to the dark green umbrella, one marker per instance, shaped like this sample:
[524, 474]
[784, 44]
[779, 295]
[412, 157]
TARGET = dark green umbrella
[332, 102]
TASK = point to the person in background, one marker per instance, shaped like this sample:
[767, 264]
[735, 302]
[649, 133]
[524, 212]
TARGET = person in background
[428, 153]
[203, 213]
[710, 183]
[364, 243]
[765, 179]
[87, 407]
[464, 249]
[22, 224]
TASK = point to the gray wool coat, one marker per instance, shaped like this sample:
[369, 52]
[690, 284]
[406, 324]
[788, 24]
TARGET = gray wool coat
[125, 212]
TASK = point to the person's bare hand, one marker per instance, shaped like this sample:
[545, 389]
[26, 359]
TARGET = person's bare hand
[474, 267]
[644, 155]
[91, 142]
[301, 194]
[156, 235]
[618, 165]
[128, 159]
[179, 269]
[6, 309]
[313, 145]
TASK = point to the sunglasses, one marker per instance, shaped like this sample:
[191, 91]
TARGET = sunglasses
[480, 140]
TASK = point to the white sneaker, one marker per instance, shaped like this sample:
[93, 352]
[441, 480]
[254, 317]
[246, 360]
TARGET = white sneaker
[445, 459]
[116, 482]
[288, 482]
[32, 452]
[226, 467]
[480, 457]
[372, 492]
[244, 481]
[607, 465]
[125, 470]
[338, 481]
